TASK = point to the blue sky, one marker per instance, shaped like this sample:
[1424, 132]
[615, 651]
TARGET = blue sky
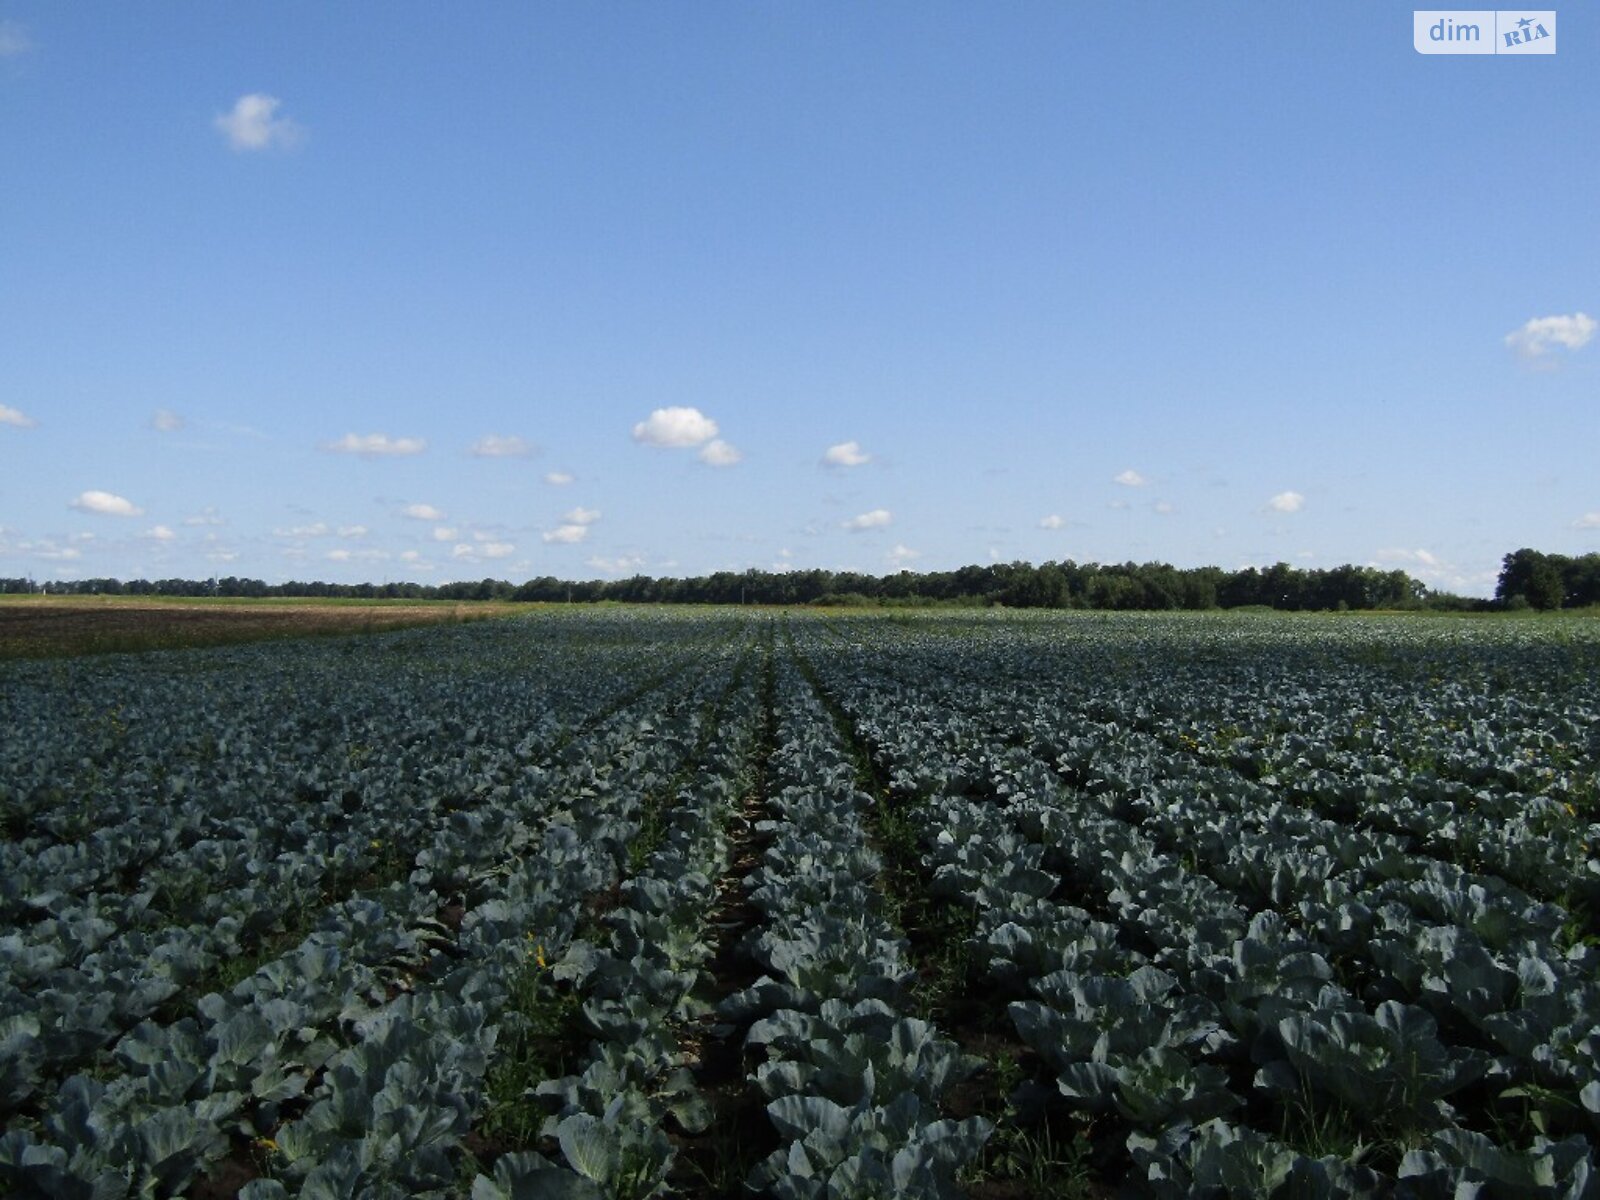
[433, 292]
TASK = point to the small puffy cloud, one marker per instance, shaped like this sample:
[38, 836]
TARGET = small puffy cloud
[621, 565]
[352, 531]
[1130, 478]
[14, 40]
[1589, 520]
[1394, 555]
[1287, 502]
[675, 427]
[903, 554]
[15, 417]
[254, 124]
[582, 516]
[338, 555]
[497, 549]
[566, 535]
[375, 445]
[1052, 522]
[106, 504]
[876, 519]
[160, 533]
[444, 533]
[1164, 507]
[315, 529]
[718, 453]
[206, 516]
[496, 445]
[558, 478]
[845, 454]
[422, 512]
[410, 556]
[1543, 334]
[164, 420]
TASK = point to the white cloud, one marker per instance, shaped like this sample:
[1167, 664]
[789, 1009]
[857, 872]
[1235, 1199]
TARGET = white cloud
[621, 565]
[558, 478]
[494, 445]
[375, 445]
[876, 519]
[1589, 520]
[206, 516]
[1130, 478]
[160, 533]
[338, 555]
[582, 516]
[106, 504]
[316, 529]
[1052, 522]
[410, 556]
[719, 453]
[1394, 554]
[846, 454]
[352, 531]
[166, 421]
[254, 124]
[12, 416]
[422, 512]
[567, 535]
[1164, 507]
[675, 427]
[1287, 502]
[1542, 334]
[497, 549]
[14, 40]
[443, 533]
[903, 554]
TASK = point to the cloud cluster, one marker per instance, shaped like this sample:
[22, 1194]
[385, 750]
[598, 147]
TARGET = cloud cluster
[376, 445]
[106, 504]
[559, 478]
[878, 518]
[718, 453]
[495, 445]
[1542, 334]
[422, 512]
[1413, 558]
[846, 454]
[16, 417]
[902, 554]
[1130, 478]
[1287, 502]
[1589, 520]
[675, 428]
[253, 124]
[1052, 522]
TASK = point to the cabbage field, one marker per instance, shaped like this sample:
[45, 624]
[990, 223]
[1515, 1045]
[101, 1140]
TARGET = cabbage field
[654, 902]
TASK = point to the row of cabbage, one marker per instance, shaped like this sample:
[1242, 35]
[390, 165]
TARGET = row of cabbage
[1215, 987]
[225, 816]
[354, 1061]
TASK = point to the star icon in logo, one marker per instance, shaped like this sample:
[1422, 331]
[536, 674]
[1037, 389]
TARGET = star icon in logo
[1525, 22]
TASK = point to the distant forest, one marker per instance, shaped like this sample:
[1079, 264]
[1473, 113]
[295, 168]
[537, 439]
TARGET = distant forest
[1528, 579]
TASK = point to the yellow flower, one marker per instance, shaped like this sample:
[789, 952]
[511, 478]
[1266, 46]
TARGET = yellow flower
[267, 1144]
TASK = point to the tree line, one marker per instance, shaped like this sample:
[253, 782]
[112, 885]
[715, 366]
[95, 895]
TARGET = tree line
[1529, 579]
[1067, 584]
